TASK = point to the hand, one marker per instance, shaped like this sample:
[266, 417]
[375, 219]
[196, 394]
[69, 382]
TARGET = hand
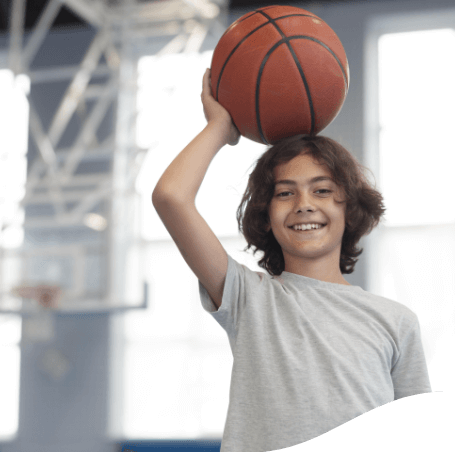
[215, 112]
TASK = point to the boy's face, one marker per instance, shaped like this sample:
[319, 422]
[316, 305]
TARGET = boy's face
[315, 251]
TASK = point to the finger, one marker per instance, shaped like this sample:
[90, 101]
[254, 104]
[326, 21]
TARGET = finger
[204, 81]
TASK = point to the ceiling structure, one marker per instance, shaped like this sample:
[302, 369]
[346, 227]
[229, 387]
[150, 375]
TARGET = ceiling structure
[75, 13]
[69, 17]
[68, 194]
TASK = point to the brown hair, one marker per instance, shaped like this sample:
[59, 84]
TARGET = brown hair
[364, 204]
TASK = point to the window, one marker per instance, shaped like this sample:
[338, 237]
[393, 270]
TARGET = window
[13, 174]
[413, 257]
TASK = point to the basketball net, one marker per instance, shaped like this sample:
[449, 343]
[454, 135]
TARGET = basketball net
[39, 326]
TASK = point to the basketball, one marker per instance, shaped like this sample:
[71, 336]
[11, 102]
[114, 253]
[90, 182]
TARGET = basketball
[280, 71]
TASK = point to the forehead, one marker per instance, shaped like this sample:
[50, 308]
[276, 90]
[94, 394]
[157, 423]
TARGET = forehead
[300, 168]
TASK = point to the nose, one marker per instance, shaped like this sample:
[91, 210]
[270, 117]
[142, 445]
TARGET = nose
[303, 203]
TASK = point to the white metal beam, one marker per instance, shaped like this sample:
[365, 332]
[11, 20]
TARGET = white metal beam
[80, 180]
[16, 36]
[89, 129]
[64, 73]
[42, 27]
[48, 155]
[93, 12]
[80, 82]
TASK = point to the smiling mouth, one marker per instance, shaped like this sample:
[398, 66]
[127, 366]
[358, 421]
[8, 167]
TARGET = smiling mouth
[308, 230]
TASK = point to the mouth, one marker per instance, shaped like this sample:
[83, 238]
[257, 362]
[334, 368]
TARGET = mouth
[308, 231]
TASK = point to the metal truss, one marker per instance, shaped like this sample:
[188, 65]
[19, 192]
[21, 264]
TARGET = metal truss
[56, 178]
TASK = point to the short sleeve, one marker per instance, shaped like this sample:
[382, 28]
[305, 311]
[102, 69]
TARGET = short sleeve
[238, 277]
[410, 373]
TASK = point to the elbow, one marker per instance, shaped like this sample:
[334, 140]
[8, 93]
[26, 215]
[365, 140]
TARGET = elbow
[155, 197]
[159, 196]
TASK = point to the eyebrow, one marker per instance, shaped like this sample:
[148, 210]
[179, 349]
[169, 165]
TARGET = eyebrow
[294, 183]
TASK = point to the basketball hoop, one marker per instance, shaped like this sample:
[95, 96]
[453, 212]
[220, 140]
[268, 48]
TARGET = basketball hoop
[41, 325]
[47, 296]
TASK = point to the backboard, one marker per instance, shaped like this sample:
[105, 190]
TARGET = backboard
[28, 279]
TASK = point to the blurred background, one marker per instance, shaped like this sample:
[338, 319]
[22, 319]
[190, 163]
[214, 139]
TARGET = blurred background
[97, 97]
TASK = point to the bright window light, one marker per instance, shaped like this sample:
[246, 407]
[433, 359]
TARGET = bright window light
[13, 150]
[13, 174]
[415, 253]
[417, 150]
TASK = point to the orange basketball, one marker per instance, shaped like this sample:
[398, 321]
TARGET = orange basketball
[280, 71]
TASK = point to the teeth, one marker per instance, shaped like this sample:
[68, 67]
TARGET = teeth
[306, 227]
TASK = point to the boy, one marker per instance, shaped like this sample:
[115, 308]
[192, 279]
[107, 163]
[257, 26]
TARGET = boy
[311, 351]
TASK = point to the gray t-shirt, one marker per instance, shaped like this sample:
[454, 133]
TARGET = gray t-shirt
[310, 355]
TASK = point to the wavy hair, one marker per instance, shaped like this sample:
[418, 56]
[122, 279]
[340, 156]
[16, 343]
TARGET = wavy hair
[364, 204]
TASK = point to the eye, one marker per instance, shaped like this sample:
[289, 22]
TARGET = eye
[284, 192]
